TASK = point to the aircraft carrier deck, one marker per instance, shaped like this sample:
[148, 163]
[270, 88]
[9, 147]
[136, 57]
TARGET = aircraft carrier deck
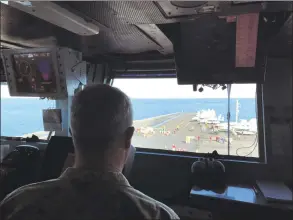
[179, 127]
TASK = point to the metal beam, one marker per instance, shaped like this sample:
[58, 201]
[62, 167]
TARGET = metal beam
[157, 36]
[56, 15]
[5, 44]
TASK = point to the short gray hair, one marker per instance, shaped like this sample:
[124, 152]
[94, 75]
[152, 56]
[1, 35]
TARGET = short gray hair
[98, 114]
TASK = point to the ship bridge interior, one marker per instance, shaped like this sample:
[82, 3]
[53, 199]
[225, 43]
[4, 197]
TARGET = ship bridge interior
[151, 50]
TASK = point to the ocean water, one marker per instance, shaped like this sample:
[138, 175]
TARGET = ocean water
[23, 116]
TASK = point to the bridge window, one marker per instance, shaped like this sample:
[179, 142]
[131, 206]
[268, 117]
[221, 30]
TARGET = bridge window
[173, 117]
[22, 116]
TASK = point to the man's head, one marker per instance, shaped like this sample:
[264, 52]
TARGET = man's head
[101, 126]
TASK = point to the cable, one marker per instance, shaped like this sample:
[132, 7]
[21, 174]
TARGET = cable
[246, 155]
[228, 116]
[73, 67]
[215, 86]
[80, 83]
[95, 73]
[254, 144]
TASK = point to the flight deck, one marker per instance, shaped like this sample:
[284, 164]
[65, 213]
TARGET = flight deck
[180, 132]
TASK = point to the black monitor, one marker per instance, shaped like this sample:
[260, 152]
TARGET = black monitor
[43, 72]
[205, 53]
[35, 73]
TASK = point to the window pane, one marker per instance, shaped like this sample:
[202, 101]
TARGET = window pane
[22, 116]
[244, 126]
[169, 116]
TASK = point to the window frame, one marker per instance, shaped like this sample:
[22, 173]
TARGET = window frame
[260, 129]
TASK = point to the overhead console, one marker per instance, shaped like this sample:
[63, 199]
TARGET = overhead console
[43, 72]
[215, 49]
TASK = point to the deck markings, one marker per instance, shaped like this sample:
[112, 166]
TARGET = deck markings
[165, 121]
[187, 124]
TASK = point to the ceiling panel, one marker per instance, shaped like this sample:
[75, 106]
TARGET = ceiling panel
[120, 35]
[114, 13]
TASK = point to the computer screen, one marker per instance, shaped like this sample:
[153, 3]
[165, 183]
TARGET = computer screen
[34, 73]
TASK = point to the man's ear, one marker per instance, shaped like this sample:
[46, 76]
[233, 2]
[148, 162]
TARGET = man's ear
[129, 132]
[128, 135]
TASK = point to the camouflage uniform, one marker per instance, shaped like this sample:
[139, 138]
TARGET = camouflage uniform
[83, 195]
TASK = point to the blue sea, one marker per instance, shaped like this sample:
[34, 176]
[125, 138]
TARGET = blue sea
[23, 116]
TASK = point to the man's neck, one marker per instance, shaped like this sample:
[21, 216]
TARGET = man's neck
[97, 167]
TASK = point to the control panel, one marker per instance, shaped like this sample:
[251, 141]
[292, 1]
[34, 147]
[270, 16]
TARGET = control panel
[44, 72]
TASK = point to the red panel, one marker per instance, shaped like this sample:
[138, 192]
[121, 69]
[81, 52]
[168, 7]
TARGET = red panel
[246, 39]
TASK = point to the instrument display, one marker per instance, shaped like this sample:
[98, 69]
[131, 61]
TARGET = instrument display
[34, 73]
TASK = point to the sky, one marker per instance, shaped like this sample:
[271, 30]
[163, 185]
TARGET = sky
[168, 89]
